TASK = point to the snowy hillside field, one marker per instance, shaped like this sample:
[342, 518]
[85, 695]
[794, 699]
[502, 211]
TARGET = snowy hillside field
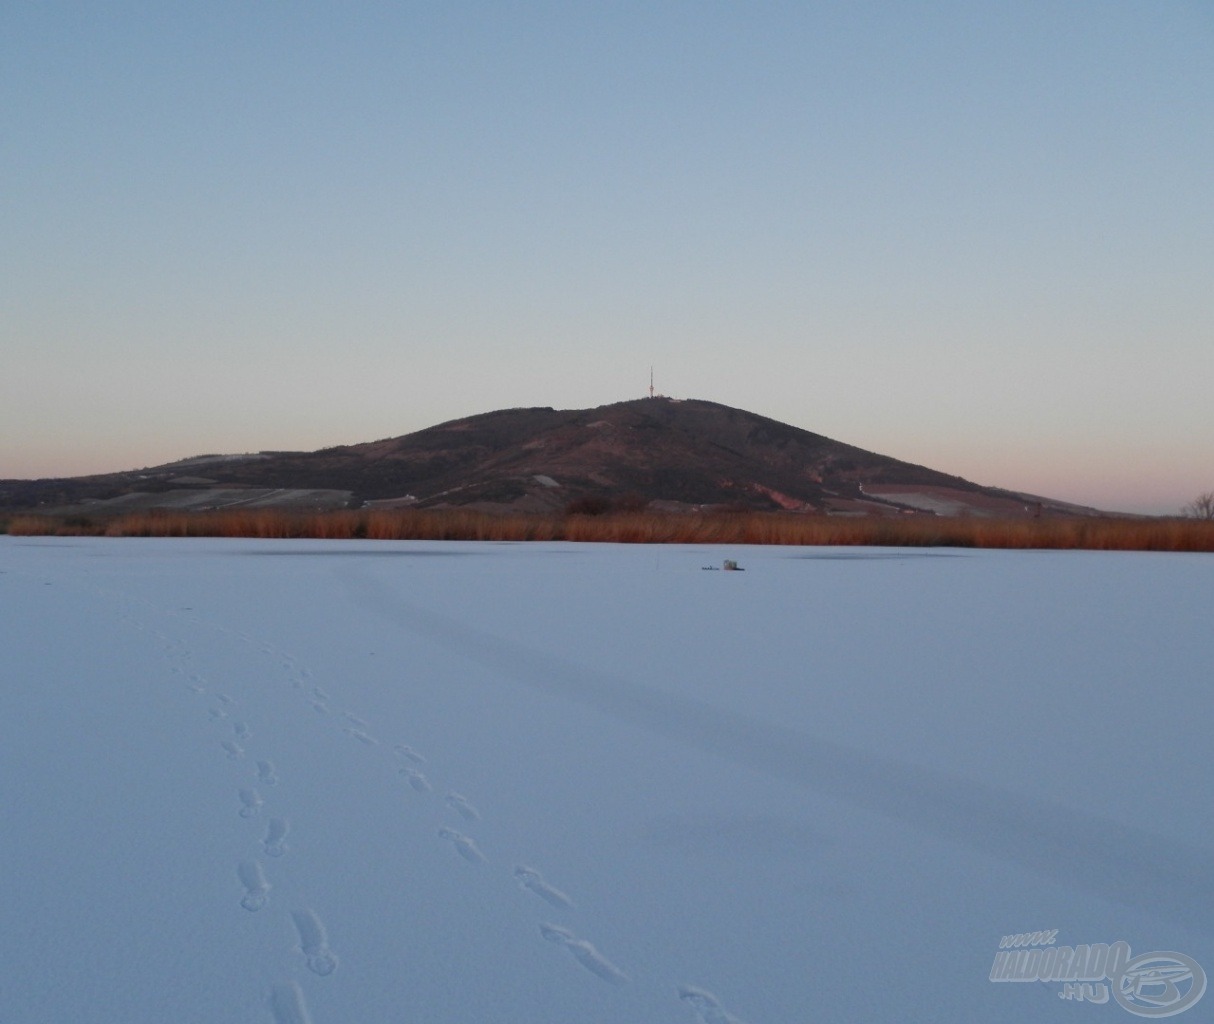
[337, 782]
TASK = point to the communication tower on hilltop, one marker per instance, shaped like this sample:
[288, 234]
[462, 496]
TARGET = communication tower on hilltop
[651, 382]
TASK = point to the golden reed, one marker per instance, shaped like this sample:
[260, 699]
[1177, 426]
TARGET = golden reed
[1099, 534]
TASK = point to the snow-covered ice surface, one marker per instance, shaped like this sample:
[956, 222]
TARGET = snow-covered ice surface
[524, 783]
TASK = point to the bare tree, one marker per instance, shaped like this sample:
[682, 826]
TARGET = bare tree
[1201, 507]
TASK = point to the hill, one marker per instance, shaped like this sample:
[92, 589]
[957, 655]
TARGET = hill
[652, 452]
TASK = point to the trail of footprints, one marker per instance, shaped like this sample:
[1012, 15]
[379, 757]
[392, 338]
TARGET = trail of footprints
[286, 1002]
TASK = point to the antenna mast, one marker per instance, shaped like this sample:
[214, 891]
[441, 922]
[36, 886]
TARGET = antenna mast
[650, 381]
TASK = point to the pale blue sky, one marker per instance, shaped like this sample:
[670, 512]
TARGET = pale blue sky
[978, 236]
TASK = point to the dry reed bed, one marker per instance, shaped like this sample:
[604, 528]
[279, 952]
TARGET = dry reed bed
[1110, 534]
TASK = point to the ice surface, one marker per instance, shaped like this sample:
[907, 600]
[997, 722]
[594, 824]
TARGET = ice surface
[823, 789]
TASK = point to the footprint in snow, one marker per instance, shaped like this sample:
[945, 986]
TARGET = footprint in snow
[464, 846]
[217, 714]
[256, 888]
[529, 878]
[584, 953]
[314, 942]
[320, 707]
[555, 933]
[241, 730]
[417, 780]
[234, 750]
[362, 737]
[707, 1006]
[462, 807]
[287, 1004]
[355, 720]
[319, 694]
[409, 754]
[266, 774]
[250, 801]
[276, 833]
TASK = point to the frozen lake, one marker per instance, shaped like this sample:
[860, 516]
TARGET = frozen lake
[300, 781]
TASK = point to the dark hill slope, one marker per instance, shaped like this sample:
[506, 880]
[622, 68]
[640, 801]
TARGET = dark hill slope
[675, 453]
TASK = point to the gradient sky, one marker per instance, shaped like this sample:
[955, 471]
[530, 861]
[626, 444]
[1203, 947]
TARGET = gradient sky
[973, 235]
